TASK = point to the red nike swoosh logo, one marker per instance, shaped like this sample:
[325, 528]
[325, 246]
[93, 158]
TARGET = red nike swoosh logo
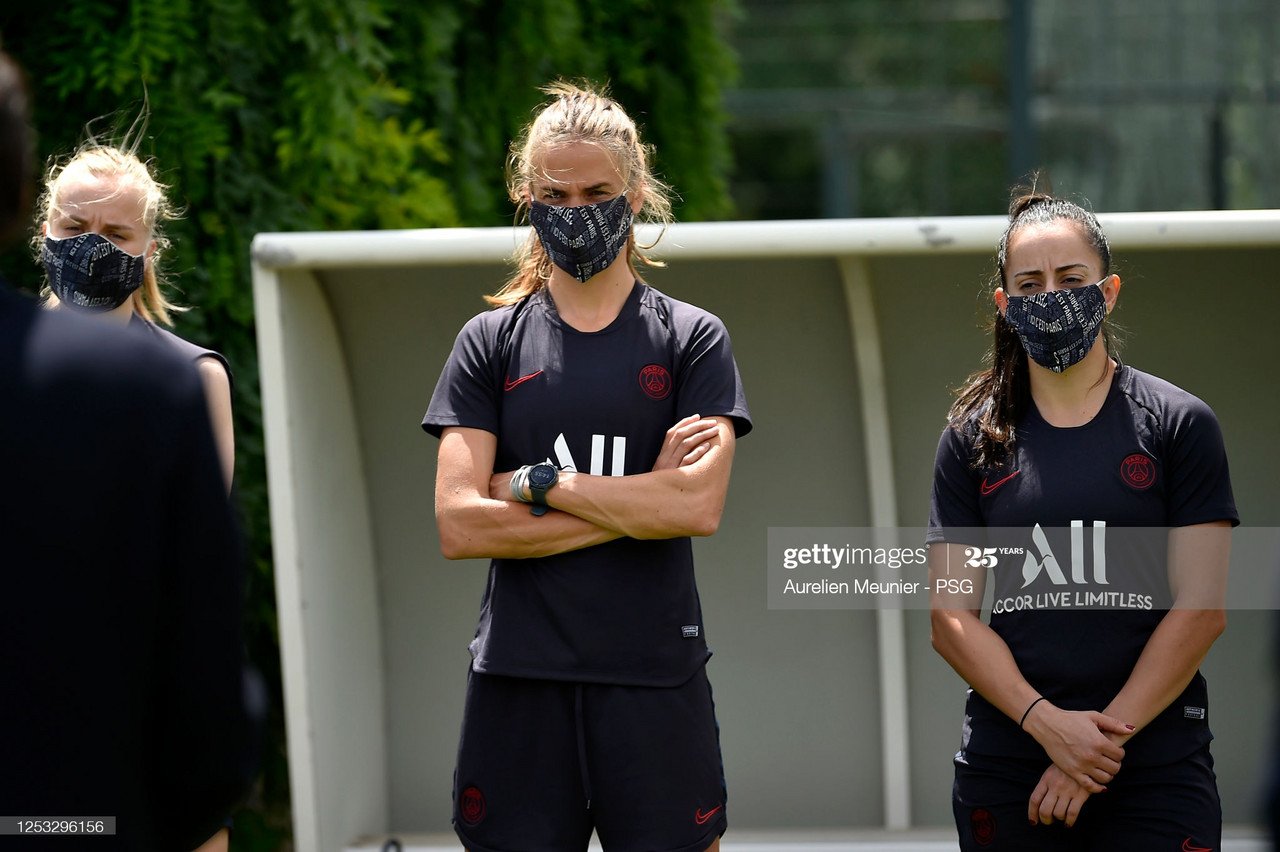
[508, 384]
[990, 489]
[701, 819]
[1187, 847]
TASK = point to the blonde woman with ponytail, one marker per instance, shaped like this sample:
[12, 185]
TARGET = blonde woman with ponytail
[100, 238]
[587, 425]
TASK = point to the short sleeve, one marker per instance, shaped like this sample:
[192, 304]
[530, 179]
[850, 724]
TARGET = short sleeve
[467, 392]
[953, 502]
[1198, 481]
[707, 379]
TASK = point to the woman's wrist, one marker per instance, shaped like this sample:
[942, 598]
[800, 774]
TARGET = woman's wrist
[520, 491]
[1035, 720]
[1023, 721]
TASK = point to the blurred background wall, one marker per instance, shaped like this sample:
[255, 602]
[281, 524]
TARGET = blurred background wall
[930, 107]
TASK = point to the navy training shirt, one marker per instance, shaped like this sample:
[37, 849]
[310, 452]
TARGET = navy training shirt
[1152, 457]
[626, 611]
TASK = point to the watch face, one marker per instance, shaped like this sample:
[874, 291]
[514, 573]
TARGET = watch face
[542, 476]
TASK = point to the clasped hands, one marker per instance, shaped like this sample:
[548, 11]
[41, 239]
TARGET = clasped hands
[1085, 747]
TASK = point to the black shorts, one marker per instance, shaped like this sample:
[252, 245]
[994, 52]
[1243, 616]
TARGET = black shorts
[541, 763]
[1157, 808]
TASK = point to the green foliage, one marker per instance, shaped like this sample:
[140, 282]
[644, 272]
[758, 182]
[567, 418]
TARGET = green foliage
[870, 108]
[345, 114]
[476, 68]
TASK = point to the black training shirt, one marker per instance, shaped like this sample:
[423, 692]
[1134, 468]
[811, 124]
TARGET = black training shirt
[1153, 457]
[626, 611]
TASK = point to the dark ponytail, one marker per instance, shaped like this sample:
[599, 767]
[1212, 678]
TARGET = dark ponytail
[995, 399]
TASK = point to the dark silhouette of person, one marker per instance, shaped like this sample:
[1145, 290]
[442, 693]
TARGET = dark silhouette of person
[121, 658]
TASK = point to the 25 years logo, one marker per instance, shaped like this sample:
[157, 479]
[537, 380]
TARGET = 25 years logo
[980, 557]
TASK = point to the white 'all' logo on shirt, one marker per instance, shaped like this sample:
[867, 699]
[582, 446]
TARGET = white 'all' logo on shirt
[1048, 562]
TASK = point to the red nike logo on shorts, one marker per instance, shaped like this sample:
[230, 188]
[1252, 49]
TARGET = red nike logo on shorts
[702, 819]
[990, 489]
[508, 384]
[1188, 847]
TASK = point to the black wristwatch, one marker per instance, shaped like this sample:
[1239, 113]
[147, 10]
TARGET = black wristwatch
[541, 477]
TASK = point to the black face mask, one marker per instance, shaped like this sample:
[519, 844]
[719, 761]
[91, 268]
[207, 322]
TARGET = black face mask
[1058, 327]
[583, 240]
[90, 272]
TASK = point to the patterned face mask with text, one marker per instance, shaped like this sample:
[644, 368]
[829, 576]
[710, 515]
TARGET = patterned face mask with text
[1058, 327]
[90, 272]
[583, 240]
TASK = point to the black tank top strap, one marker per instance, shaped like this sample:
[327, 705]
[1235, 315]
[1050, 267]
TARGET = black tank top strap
[184, 348]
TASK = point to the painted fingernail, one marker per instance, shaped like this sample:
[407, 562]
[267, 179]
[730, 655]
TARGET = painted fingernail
[1129, 727]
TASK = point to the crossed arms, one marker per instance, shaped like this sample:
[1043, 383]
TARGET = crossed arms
[1086, 747]
[683, 495]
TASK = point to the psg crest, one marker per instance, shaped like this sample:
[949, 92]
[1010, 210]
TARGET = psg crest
[655, 381]
[1138, 471]
[983, 825]
[471, 805]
